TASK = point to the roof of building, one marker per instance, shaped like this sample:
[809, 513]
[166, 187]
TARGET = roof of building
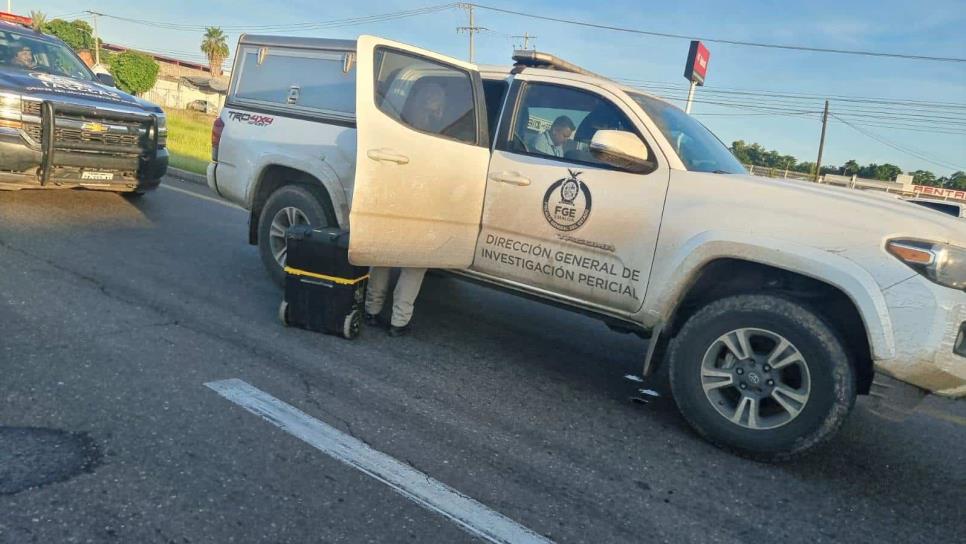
[160, 58]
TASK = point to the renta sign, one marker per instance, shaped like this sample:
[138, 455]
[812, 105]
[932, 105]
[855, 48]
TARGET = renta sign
[940, 192]
[697, 66]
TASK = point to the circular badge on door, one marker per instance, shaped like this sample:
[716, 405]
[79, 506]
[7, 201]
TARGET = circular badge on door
[567, 202]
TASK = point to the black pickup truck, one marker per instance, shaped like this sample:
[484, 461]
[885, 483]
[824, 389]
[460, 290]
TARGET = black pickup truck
[62, 126]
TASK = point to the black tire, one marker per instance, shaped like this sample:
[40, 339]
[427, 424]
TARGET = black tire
[829, 374]
[133, 195]
[288, 196]
[283, 313]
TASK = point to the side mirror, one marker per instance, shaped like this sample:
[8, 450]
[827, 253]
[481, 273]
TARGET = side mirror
[106, 79]
[622, 149]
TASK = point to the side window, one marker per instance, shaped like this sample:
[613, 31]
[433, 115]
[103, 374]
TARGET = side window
[314, 80]
[494, 91]
[425, 95]
[560, 122]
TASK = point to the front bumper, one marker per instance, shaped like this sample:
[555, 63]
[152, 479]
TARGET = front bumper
[67, 145]
[927, 320]
[21, 167]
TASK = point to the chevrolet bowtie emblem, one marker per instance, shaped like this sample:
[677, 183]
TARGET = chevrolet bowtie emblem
[94, 127]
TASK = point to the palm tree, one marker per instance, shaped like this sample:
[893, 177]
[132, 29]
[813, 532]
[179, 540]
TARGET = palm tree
[38, 20]
[215, 46]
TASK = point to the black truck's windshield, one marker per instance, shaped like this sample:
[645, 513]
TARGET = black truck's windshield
[19, 51]
[698, 148]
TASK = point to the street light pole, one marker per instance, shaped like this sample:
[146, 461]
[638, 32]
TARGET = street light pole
[687, 107]
[97, 40]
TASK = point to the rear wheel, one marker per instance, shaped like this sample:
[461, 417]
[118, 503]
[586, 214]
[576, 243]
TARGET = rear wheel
[762, 376]
[288, 206]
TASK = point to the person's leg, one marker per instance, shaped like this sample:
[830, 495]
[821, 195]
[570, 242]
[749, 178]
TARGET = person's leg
[377, 289]
[404, 296]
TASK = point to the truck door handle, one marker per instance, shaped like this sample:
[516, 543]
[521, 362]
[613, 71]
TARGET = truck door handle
[513, 178]
[387, 155]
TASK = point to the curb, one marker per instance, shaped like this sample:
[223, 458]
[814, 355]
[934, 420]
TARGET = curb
[190, 177]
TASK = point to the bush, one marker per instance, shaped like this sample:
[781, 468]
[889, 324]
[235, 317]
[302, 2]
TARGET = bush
[133, 72]
[76, 34]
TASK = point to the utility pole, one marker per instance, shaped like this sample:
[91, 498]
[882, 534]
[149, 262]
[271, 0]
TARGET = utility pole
[97, 40]
[9, 6]
[471, 30]
[526, 39]
[821, 143]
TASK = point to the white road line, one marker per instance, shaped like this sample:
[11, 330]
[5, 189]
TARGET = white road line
[431, 494]
[202, 197]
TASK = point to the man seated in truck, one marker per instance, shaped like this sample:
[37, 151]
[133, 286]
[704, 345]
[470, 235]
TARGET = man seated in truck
[554, 140]
[24, 58]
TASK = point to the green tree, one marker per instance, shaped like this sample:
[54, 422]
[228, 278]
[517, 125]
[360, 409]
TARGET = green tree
[133, 72]
[956, 181]
[76, 34]
[214, 44]
[925, 177]
[850, 168]
[38, 20]
[868, 171]
[887, 172]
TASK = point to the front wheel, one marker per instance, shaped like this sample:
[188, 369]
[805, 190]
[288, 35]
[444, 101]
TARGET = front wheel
[762, 376]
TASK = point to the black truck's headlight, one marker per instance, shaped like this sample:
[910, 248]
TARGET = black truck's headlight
[942, 263]
[10, 115]
[162, 130]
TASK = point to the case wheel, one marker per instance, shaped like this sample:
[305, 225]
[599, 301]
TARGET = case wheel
[352, 324]
[283, 313]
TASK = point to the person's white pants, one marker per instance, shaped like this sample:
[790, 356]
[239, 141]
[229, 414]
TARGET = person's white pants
[403, 296]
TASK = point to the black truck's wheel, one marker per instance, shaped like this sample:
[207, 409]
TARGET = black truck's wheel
[762, 376]
[288, 206]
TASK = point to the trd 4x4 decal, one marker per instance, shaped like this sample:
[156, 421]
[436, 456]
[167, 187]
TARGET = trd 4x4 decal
[257, 120]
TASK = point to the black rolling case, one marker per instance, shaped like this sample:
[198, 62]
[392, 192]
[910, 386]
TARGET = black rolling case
[323, 292]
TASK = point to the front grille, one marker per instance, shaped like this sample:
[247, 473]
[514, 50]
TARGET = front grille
[76, 141]
[33, 131]
[30, 107]
[74, 135]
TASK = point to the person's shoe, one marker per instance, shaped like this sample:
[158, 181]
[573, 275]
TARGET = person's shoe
[372, 320]
[395, 331]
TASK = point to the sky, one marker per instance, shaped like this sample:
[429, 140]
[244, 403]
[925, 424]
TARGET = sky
[931, 27]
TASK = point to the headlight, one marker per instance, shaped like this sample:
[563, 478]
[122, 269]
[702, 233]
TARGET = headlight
[941, 263]
[10, 114]
[162, 130]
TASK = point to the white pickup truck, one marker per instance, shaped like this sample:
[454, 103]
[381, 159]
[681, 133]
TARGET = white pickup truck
[774, 302]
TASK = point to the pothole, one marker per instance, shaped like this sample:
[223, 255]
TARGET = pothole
[34, 456]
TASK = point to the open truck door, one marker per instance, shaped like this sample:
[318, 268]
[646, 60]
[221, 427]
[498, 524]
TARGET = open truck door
[423, 153]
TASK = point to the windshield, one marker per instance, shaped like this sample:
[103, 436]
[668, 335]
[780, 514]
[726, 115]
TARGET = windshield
[698, 148]
[22, 52]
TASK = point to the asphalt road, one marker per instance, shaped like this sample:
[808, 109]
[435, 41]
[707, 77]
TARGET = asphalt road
[113, 316]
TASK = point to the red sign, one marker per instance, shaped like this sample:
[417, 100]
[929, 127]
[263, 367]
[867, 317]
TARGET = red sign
[697, 67]
[19, 19]
[939, 191]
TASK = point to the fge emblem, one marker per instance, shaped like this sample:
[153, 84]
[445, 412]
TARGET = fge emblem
[566, 204]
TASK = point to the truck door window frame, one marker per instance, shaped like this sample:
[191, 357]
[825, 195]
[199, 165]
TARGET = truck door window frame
[476, 85]
[510, 117]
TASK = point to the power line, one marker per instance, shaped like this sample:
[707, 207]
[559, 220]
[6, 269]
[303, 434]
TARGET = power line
[723, 41]
[291, 27]
[794, 95]
[900, 148]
